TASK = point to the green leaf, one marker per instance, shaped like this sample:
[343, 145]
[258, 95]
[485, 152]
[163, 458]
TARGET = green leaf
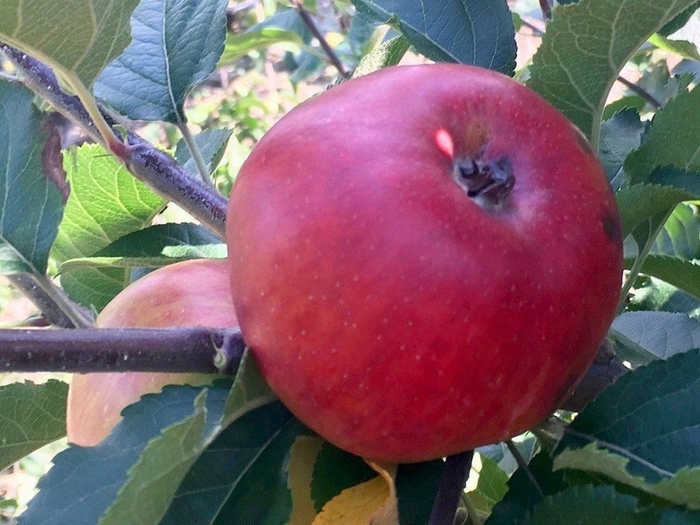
[681, 20]
[679, 47]
[249, 391]
[577, 80]
[184, 240]
[84, 482]
[31, 206]
[642, 202]
[682, 274]
[526, 488]
[106, 203]
[76, 37]
[478, 32]
[163, 464]
[416, 487]
[673, 139]
[175, 45]
[683, 488]
[619, 135]
[588, 505]
[241, 477]
[651, 294]
[650, 415]
[150, 248]
[680, 236]
[656, 335]
[32, 416]
[492, 484]
[677, 178]
[211, 144]
[285, 26]
[334, 471]
[388, 53]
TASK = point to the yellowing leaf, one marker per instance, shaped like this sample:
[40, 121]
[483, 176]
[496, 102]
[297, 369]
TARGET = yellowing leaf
[370, 503]
[300, 471]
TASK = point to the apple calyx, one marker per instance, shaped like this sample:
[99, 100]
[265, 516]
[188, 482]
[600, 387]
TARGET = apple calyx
[487, 183]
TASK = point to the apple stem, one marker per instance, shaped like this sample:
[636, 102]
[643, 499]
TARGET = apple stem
[455, 474]
[158, 170]
[488, 183]
[174, 350]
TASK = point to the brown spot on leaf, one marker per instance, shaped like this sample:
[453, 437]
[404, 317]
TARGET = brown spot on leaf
[52, 159]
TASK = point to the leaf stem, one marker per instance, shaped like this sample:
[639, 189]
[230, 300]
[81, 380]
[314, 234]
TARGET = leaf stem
[196, 153]
[176, 350]
[327, 49]
[639, 262]
[90, 105]
[520, 460]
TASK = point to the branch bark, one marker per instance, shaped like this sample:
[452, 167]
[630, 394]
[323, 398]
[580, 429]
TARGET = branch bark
[177, 350]
[454, 478]
[155, 168]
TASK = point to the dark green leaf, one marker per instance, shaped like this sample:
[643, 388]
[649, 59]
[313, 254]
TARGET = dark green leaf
[241, 474]
[31, 206]
[211, 144]
[682, 488]
[478, 32]
[85, 482]
[577, 82]
[642, 202]
[680, 236]
[249, 391]
[32, 416]
[672, 139]
[588, 505]
[687, 181]
[336, 470]
[163, 464]
[679, 21]
[684, 275]
[416, 488]
[619, 135]
[525, 490]
[175, 45]
[651, 416]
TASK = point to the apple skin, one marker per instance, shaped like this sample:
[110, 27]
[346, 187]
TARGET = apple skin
[189, 293]
[393, 314]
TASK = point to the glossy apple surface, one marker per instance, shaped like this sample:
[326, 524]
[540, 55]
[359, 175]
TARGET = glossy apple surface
[191, 293]
[423, 260]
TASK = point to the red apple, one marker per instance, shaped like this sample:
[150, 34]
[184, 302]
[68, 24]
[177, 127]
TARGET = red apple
[191, 293]
[423, 260]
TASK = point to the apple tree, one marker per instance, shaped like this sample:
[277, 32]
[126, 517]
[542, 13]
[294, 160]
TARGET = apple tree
[123, 128]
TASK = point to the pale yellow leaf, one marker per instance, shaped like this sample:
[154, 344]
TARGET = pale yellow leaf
[370, 503]
[300, 471]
